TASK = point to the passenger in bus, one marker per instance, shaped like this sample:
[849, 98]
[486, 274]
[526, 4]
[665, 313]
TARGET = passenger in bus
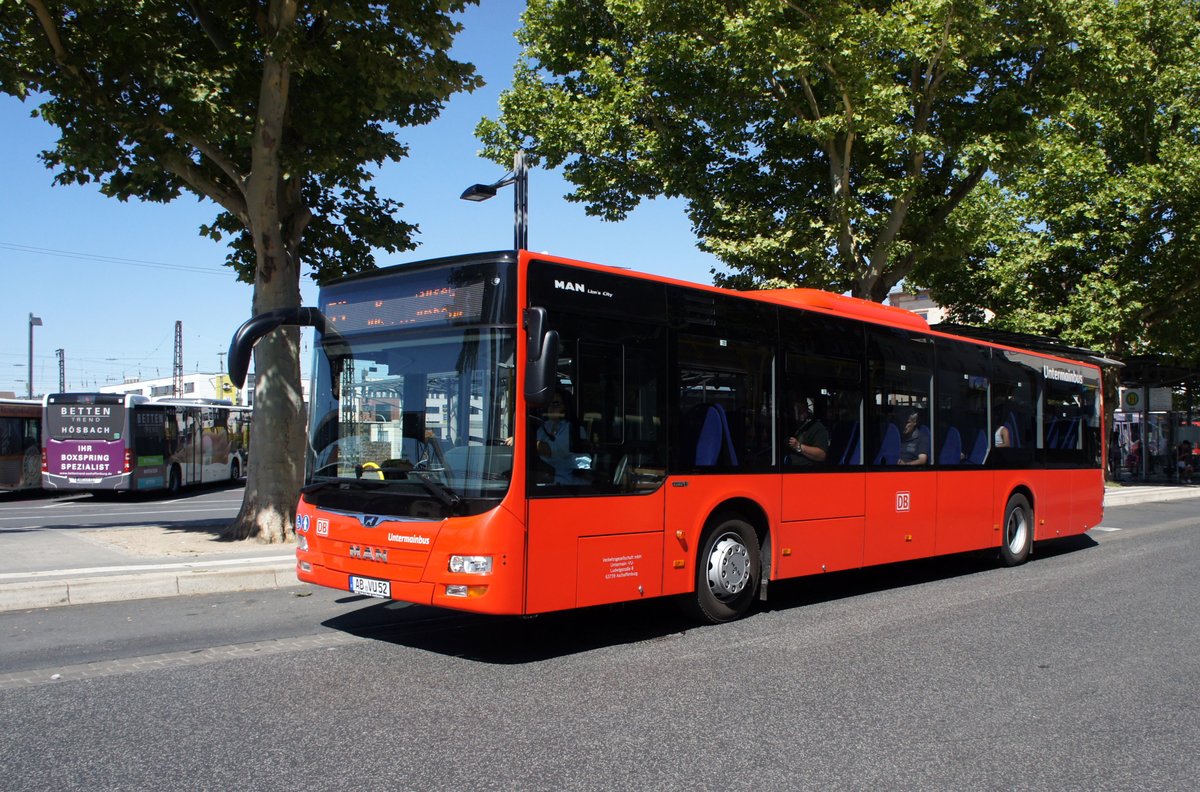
[809, 442]
[914, 442]
[554, 443]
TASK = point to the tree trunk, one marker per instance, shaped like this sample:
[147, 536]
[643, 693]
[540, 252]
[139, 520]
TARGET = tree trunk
[276, 466]
[275, 470]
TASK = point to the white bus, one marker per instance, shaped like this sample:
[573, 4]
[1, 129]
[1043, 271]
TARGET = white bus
[112, 441]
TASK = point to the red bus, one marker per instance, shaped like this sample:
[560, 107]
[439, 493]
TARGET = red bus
[516, 433]
[20, 444]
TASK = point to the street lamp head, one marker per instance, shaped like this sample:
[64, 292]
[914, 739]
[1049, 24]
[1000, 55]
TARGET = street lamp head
[479, 192]
[520, 178]
[35, 321]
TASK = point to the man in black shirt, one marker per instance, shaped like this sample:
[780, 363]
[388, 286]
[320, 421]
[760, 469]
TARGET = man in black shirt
[809, 444]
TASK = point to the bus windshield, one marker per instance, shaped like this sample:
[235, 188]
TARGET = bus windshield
[413, 395]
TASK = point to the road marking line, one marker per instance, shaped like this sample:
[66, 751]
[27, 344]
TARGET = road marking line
[1105, 528]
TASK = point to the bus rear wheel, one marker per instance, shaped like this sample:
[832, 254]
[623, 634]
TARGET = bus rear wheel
[1017, 540]
[728, 571]
[235, 470]
[174, 481]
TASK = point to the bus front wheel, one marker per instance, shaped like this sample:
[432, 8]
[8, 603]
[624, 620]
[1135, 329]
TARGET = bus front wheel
[728, 570]
[1017, 540]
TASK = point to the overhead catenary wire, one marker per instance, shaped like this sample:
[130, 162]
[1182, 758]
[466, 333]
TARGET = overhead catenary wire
[71, 254]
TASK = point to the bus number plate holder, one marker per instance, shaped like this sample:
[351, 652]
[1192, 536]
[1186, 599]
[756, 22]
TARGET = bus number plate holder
[371, 587]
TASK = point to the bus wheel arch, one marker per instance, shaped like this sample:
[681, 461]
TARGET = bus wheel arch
[1017, 528]
[729, 562]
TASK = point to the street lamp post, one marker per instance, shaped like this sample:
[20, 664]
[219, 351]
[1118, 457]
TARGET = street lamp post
[519, 177]
[34, 321]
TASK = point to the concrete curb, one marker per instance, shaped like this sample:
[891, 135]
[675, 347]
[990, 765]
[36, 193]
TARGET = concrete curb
[1125, 496]
[32, 591]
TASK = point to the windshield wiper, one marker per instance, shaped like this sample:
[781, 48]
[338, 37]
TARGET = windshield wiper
[443, 493]
[317, 486]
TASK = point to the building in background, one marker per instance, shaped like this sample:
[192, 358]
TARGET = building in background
[920, 303]
[198, 385]
[195, 386]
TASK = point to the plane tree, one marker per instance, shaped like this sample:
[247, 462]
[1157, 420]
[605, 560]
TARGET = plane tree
[1101, 233]
[828, 143]
[276, 111]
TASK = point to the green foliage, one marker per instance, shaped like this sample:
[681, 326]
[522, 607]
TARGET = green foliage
[1105, 246]
[828, 143]
[154, 99]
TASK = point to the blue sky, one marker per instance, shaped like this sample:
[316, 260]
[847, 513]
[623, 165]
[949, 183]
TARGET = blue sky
[110, 279]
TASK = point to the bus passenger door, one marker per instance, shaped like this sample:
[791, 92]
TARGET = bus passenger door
[189, 456]
[595, 464]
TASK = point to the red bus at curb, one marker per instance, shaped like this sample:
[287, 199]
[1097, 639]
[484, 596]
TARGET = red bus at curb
[518, 433]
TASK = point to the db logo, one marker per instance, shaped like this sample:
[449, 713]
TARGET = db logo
[902, 501]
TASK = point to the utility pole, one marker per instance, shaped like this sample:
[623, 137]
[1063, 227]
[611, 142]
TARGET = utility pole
[177, 373]
[34, 321]
[62, 370]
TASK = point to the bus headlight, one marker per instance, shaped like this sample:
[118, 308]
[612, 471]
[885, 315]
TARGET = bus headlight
[301, 542]
[471, 565]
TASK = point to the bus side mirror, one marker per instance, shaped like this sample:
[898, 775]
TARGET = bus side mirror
[254, 328]
[541, 359]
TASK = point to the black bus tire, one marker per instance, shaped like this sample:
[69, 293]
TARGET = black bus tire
[235, 470]
[174, 481]
[728, 570]
[1017, 538]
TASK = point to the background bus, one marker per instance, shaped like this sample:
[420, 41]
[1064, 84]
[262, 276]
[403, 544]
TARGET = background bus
[108, 441]
[602, 436]
[20, 444]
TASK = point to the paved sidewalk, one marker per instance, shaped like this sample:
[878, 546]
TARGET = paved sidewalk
[1129, 493]
[44, 568]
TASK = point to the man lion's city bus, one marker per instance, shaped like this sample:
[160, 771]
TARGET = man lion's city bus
[515, 433]
[115, 441]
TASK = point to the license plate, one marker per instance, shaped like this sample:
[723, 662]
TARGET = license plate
[371, 587]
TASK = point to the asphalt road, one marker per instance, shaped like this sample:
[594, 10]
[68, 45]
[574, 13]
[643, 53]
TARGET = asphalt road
[191, 508]
[1075, 671]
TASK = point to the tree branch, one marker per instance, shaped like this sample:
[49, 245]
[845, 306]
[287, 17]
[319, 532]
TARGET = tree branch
[209, 25]
[184, 168]
[55, 40]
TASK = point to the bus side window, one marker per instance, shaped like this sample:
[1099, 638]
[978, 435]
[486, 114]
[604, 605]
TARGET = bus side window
[822, 393]
[960, 417]
[609, 377]
[1013, 411]
[901, 371]
[724, 404]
